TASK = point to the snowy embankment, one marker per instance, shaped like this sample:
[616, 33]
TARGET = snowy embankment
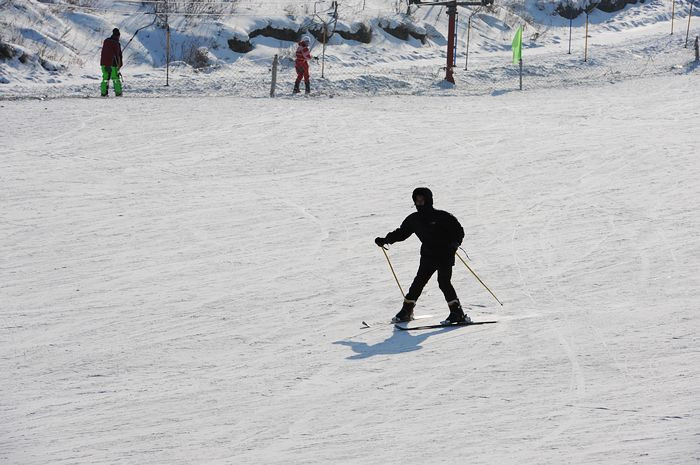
[183, 280]
[54, 49]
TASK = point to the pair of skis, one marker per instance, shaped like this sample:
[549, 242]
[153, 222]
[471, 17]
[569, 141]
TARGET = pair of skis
[407, 326]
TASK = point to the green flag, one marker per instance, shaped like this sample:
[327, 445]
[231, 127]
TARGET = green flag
[518, 46]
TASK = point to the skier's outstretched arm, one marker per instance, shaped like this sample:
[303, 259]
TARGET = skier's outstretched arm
[401, 234]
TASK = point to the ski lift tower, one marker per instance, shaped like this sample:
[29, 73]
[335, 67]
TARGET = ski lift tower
[451, 35]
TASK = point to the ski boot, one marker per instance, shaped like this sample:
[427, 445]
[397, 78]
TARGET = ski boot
[308, 88]
[406, 312]
[296, 89]
[456, 314]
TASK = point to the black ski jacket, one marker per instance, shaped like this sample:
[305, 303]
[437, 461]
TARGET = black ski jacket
[439, 232]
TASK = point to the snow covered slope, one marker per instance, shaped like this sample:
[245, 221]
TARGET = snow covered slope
[54, 48]
[183, 280]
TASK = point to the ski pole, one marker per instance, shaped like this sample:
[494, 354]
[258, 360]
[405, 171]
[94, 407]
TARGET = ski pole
[155, 18]
[394, 273]
[482, 283]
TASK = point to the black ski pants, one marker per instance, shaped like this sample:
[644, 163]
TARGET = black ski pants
[426, 269]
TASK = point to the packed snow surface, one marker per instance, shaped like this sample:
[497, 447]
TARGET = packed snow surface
[183, 280]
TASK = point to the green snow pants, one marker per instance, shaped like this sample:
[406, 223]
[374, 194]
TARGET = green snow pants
[110, 72]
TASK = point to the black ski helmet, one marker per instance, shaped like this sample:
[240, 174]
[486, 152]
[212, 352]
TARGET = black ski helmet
[115, 32]
[425, 193]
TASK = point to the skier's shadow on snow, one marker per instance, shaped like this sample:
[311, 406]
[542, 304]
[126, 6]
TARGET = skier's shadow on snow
[400, 342]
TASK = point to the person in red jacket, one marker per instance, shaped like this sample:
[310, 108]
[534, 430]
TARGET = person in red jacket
[302, 64]
[111, 61]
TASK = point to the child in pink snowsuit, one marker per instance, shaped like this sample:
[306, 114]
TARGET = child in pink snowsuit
[302, 64]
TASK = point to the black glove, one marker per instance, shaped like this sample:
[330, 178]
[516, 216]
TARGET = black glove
[454, 246]
[380, 241]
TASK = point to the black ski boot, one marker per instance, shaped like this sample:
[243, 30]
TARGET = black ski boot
[456, 314]
[296, 89]
[308, 88]
[406, 312]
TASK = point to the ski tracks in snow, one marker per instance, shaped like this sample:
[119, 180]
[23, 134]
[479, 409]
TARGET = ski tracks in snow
[139, 323]
[523, 213]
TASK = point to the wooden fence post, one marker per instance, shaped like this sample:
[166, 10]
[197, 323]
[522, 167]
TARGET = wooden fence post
[273, 85]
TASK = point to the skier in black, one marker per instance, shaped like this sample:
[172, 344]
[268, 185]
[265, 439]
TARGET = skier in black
[440, 234]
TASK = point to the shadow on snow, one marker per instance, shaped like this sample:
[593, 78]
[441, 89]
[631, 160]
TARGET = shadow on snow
[399, 343]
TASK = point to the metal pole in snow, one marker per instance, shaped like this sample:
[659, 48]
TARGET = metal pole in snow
[673, 13]
[452, 16]
[585, 53]
[521, 74]
[323, 58]
[688, 31]
[570, 25]
[454, 54]
[469, 28]
[167, 52]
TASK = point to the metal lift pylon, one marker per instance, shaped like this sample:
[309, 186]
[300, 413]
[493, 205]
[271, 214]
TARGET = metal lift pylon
[452, 27]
